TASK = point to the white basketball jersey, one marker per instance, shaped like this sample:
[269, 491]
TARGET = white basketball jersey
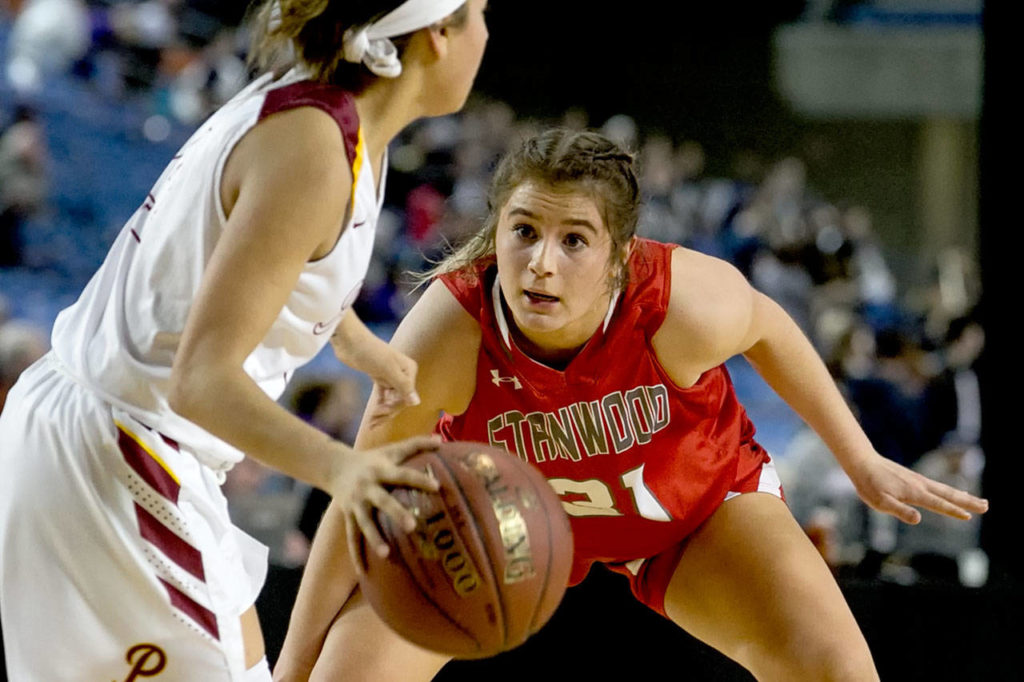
[120, 337]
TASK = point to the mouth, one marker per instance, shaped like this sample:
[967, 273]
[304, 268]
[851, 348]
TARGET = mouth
[539, 297]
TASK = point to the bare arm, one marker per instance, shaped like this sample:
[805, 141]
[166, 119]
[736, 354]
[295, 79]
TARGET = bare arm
[443, 340]
[708, 324]
[286, 186]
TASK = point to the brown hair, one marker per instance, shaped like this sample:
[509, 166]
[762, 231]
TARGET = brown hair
[309, 32]
[564, 159]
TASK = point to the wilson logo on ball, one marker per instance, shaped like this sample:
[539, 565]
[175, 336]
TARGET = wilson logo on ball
[511, 524]
[435, 540]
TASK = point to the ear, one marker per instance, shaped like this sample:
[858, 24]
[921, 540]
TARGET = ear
[437, 39]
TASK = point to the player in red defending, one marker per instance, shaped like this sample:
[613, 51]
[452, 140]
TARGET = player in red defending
[118, 559]
[598, 357]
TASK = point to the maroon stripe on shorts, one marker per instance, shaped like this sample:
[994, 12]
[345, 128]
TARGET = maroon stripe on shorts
[204, 617]
[176, 549]
[147, 467]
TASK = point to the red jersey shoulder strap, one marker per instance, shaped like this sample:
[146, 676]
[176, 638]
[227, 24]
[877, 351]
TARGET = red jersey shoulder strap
[650, 284]
[470, 287]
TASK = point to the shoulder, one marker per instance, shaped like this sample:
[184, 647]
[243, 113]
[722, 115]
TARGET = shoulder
[443, 339]
[709, 313]
[701, 281]
[469, 284]
[304, 134]
[295, 157]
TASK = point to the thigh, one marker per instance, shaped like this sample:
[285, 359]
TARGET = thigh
[752, 585]
[360, 647]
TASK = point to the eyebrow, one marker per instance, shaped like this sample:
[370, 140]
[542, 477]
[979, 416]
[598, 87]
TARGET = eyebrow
[576, 222]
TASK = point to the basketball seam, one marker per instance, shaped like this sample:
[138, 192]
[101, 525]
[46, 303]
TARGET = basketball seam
[487, 555]
[436, 605]
[547, 564]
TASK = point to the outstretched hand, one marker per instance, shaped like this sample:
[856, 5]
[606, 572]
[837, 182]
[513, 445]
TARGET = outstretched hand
[892, 488]
[361, 485]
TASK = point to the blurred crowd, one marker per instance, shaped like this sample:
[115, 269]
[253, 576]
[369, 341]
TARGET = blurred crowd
[905, 360]
[186, 55]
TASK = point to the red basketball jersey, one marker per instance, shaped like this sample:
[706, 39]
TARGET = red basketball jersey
[638, 461]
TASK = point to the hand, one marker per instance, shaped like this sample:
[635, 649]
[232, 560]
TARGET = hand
[393, 373]
[894, 489]
[359, 487]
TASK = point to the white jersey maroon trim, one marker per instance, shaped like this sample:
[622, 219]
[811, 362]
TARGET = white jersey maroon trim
[120, 337]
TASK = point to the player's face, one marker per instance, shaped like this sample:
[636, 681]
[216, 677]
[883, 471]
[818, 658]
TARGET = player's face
[553, 251]
[466, 51]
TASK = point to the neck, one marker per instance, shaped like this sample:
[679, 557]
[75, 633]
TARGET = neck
[557, 349]
[385, 108]
[556, 357]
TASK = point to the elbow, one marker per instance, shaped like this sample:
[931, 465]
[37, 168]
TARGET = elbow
[178, 394]
[185, 391]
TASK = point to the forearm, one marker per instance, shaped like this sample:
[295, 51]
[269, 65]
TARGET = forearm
[352, 340]
[230, 405]
[791, 366]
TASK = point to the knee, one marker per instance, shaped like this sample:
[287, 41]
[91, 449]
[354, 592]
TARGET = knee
[832, 661]
[844, 664]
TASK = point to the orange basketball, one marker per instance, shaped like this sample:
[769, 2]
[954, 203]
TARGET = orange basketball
[488, 562]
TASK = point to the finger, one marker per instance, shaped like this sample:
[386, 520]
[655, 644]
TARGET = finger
[902, 511]
[960, 498]
[371, 535]
[398, 397]
[941, 505]
[410, 477]
[398, 514]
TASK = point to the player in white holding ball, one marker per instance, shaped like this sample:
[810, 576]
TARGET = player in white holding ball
[117, 556]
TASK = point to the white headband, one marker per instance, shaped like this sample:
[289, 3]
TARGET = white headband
[370, 44]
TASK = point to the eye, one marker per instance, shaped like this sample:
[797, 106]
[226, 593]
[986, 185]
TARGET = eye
[524, 231]
[575, 241]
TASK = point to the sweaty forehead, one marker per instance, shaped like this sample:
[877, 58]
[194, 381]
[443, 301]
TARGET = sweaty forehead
[572, 204]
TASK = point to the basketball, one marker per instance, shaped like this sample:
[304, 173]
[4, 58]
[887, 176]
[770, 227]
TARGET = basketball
[489, 560]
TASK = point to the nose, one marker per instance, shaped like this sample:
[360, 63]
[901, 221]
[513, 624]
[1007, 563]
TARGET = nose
[542, 258]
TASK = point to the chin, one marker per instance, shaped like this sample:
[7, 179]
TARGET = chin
[529, 321]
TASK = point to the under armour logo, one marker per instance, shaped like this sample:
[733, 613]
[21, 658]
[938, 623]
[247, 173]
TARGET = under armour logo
[499, 380]
[147, 660]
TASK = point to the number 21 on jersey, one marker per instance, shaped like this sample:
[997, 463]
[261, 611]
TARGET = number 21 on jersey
[595, 497]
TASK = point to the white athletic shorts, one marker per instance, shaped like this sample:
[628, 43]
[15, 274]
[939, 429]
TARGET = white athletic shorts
[117, 557]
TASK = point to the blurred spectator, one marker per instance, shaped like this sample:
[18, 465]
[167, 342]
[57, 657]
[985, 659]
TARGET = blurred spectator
[953, 397]
[47, 37]
[623, 130]
[24, 180]
[658, 181]
[822, 499]
[875, 283]
[335, 408]
[265, 505]
[21, 344]
[193, 82]
[890, 399]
